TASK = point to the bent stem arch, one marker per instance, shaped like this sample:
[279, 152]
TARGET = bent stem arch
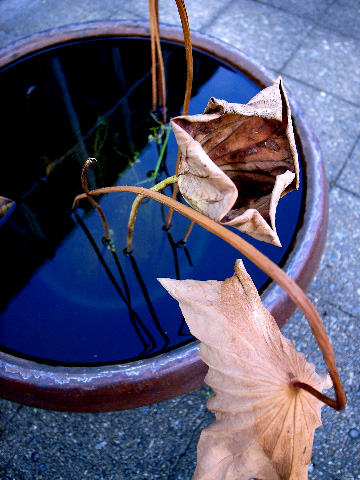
[135, 208]
[84, 184]
[266, 265]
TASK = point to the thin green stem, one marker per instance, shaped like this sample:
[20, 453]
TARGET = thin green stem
[160, 158]
[268, 266]
[162, 151]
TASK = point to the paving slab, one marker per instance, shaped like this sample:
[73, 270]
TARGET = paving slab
[343, 16]
[7, 411]
[350, 178]
[267, 34]
[329, 61]
[335, 121]
[337, 281]
[40, 16]
[22, 18]
[304, 8]
[159, 441]
[168, 13]
[6, 39]
[9, 9]
[336, 452]
[141, 443]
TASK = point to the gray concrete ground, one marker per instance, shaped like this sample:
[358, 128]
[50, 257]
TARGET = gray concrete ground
[315, 45]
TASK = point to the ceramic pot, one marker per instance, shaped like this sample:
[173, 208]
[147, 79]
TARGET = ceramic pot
[165, 375]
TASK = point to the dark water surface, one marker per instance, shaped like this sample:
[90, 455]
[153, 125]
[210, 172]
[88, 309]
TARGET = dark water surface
[65, 296]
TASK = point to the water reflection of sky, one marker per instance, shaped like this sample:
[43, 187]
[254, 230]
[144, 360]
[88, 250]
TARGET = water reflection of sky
[70, 310]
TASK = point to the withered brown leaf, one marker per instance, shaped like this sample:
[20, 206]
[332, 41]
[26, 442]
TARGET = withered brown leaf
[264, 426]
[238, 160]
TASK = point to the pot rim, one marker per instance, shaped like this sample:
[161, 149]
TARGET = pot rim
[178, 371]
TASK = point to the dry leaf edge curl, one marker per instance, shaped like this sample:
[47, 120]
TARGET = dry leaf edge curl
[239, 153]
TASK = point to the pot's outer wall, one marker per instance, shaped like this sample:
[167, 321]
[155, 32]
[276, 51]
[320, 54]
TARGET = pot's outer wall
[99, 389]
[118, 387]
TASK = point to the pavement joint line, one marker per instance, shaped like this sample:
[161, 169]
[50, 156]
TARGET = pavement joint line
[337, 307]
[215, 16]
[332, 29]
[338, 97]
[315, 24]
[201, 426]
[305, 17]
[346, 162]
[298, 47]
[345, 190]
[9, 420]
[335, 30]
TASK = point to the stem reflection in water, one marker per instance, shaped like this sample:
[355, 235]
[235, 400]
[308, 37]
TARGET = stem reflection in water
[148, 343]
[175, 248]
[148, 300]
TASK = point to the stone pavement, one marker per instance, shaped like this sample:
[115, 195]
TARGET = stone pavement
[314, 45]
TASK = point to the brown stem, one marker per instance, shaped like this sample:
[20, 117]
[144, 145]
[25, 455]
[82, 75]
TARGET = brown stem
[320, 396]
[161, 75]
[188, 51]
[91, 200]
[153, 54]
[189, 80]
[188, 231]
[157, 62]
[262, 261]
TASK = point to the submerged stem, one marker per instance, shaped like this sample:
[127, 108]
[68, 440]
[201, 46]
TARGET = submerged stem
[188, 231]
[269, 267]
[154, 174]
[135, 208]
[91, 200]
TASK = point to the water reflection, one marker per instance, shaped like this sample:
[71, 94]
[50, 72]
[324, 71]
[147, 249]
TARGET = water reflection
[72, 299]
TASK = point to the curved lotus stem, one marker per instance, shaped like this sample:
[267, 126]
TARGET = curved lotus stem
[135, 208]
[88, 162]
[156, 55]
[270, 268]
[189, 79]
[188, 50]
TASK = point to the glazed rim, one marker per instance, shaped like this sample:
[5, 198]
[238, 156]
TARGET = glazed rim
[142, 382]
